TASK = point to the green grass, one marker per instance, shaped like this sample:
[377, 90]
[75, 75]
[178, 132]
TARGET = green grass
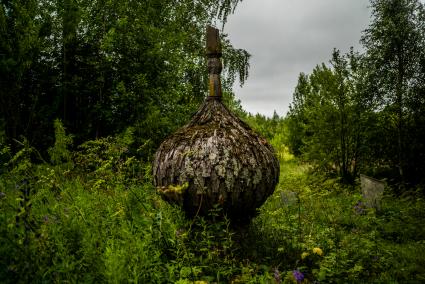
[96, 218]
[368, 246]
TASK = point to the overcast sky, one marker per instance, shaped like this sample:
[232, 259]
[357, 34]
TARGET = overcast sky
[286, 37]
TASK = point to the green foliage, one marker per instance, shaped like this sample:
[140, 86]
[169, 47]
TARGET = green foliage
[323, 234]
[340, 113]
[330, 118]
[102, 66]
[266, 126]
[60, 153]
[395, 52]
[274, 129]
[137, 70]
[101, 220]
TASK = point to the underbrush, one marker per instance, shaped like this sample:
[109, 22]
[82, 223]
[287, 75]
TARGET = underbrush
[92, 215]
[321, 228]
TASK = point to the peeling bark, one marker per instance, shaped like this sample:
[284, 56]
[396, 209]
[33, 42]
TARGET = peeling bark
[221, 160]
[216, 158]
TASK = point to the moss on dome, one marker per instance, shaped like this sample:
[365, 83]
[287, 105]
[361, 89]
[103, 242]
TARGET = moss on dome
[222, 160]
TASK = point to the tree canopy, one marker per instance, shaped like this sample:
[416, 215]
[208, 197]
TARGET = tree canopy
[365, 112]
[101, 66]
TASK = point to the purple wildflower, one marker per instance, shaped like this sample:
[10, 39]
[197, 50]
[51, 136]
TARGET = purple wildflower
[276, 276]
[359, 207]
[46, 218]
[298, 275]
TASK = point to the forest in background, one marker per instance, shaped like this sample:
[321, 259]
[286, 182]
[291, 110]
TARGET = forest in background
[103, 66]
[365, 112]
[90, 88]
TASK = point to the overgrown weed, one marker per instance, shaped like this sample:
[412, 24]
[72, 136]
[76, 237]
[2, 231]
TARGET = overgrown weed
[92, 215]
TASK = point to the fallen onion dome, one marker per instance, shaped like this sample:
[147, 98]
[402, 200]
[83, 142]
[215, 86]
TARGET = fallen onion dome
[216, 158]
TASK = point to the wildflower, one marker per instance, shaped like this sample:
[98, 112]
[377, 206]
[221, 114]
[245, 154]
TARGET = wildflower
[298, 275]
[276, 276]
[2, 195]
[304, 255]
[46, 218]
[359, 208]
[201, 282]
[318, 251]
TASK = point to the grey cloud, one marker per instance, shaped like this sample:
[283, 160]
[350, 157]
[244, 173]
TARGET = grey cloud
[286, 37]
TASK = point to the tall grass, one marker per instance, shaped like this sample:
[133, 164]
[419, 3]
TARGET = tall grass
[92, 215]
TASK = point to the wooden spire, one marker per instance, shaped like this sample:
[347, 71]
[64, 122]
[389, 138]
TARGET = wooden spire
[214, 62]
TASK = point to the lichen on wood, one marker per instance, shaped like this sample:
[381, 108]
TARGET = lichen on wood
[217, 157]
[223, 161]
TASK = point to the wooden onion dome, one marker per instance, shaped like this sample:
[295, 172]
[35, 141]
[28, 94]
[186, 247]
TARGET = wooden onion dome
[216, 158]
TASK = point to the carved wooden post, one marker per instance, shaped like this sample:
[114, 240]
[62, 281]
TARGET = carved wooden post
[214, 62]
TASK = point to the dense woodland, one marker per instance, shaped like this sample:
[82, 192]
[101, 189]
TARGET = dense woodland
[89, 89]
